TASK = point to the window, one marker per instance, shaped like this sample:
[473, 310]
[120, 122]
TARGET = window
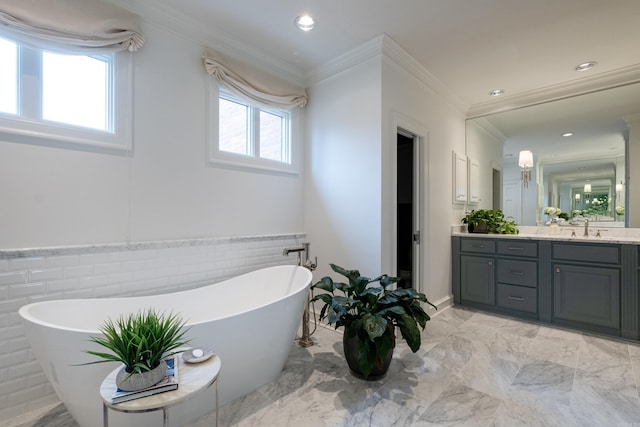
[76, 99]
[8, 77]
[251, 136]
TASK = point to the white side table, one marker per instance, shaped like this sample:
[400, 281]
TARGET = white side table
[193, 378]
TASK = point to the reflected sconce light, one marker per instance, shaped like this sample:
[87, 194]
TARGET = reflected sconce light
[577, 197]
[587, 192]
[620, 187]
[525, 161]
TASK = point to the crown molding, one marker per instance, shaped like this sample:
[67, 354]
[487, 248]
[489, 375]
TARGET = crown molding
[348, 60]
[489, 129]
[595, 83]
[398, 56]
[385, 48]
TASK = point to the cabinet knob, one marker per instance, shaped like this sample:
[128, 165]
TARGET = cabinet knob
[557, 269]
[490, 263]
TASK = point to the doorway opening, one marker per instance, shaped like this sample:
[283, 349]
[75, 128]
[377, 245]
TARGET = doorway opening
[497, 190]
[407, 217]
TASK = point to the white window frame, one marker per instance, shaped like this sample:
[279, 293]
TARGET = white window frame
[29, 127]
[251, 162]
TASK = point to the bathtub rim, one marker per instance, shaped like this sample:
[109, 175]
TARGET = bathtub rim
[27, 316]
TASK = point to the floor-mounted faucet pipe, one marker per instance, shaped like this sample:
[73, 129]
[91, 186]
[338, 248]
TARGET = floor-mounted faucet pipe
[305, 340]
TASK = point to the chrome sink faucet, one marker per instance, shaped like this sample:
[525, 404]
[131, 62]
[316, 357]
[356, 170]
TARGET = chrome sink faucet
[586, 228]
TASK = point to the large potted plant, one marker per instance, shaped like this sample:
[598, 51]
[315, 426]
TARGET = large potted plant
[369, 310]
[489, 221]
[141, 342]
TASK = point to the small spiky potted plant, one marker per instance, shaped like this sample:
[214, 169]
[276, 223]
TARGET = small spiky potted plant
[369, 314]
[141, 342]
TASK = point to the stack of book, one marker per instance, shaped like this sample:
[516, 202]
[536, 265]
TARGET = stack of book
[168, 383]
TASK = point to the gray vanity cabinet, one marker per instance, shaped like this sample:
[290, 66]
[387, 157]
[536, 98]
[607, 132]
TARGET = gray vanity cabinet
[586, 285]
[498, 275]
[589, 295]
[516, 286]
[517, 278]
[477, 274]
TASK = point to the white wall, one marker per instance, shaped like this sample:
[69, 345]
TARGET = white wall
[163, 190]
[342, 191]
[487, 150]
[423, 110]
[349, 193]
[633, 162]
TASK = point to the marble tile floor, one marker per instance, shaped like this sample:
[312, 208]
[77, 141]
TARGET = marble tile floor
[473, 369]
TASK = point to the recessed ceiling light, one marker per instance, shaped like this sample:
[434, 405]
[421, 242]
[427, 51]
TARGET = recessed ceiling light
[496, 92]
[586, 66]
[567, 134]
[305, 22]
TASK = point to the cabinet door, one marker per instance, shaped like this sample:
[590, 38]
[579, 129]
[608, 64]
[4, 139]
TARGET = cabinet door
[459, 178]
[587, 294]
[477, 279]
[473, 187]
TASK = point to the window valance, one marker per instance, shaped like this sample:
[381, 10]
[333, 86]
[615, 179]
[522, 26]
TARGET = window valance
[255, 86]
[80, 26]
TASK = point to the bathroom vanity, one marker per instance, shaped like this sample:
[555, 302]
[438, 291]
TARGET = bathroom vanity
[588, 283]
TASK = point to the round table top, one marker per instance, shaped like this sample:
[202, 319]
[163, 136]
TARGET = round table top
[192, 377]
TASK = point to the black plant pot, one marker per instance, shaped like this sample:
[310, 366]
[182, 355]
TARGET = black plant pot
[351, 347]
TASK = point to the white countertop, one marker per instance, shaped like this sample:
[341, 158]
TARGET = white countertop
[610, 235]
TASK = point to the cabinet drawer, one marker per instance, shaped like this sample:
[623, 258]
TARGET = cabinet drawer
[483, 246]
[518, 248]
[524, 273]
[600, 253]
[517, 298]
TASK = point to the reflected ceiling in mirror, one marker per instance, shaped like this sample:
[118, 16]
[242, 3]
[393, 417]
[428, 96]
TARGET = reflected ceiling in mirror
[595, 119]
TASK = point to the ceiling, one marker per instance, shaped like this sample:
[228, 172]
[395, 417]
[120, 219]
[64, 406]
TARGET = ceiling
[470, 46]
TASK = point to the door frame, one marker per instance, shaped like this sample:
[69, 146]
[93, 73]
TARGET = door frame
[420, 253]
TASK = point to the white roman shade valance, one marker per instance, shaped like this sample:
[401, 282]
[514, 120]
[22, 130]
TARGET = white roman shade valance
[79, 26]
[249, 84]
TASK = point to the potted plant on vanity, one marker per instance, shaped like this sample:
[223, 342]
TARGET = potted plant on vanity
[141, 342]
[489, 221]
[369, 311]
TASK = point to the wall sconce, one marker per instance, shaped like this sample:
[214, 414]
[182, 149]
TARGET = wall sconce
[620, 187]
[525, 161]
[578, 197]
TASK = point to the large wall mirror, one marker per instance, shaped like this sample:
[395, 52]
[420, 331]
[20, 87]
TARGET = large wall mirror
[584, 156]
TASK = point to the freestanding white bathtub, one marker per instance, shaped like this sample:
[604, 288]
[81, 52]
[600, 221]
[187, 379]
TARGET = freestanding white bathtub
[250, 321]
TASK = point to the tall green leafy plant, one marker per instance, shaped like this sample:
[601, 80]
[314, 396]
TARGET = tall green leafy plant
[366, 307]
[140, 340]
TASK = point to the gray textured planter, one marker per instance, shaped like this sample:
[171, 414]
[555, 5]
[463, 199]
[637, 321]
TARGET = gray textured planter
[135, 382]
